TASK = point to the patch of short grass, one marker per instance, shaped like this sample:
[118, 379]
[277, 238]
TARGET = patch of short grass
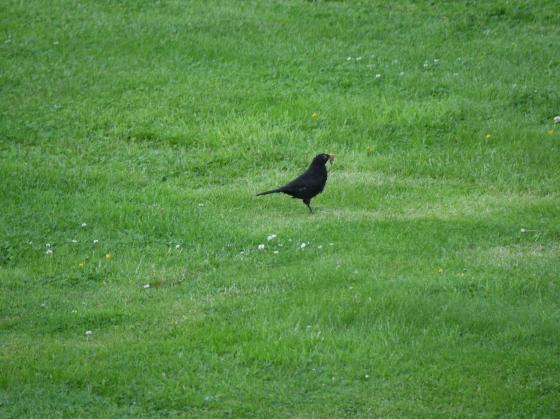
[134, 136]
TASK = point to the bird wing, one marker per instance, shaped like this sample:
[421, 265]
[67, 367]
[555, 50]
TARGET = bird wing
[302, 183]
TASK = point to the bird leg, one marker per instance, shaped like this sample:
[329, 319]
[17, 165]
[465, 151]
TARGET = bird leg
[307, 202]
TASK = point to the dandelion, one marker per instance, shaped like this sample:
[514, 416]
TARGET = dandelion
[271, 237]
[260, 247]
[109, 256]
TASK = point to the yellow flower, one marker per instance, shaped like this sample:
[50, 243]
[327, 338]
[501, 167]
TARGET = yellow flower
[440, 270]
[109, 256]
[82, 264]
[488, 136]
[314, 115]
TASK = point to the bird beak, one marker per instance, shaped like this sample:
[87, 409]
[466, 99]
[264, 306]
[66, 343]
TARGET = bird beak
[332, 157]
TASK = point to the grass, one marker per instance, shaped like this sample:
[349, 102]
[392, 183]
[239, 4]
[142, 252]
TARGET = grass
[133, 137]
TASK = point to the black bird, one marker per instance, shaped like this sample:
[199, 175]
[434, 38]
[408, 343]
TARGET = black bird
[310, 183]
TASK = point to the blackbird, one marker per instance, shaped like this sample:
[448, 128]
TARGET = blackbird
[310, 183]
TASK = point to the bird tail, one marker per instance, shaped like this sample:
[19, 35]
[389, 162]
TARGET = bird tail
[269, 192]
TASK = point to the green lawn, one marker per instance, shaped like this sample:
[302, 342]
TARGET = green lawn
[134, 136]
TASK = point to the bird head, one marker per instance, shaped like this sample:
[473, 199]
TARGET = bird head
[323, 158]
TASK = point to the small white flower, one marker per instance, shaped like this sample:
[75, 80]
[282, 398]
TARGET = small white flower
[47, 245]
[89, 333]
[349, 58]
[378, 76]
[95, 241]
[201, 204]
[425, 64]
[271, 237]
[177, 246]
[49, 252]
[146, 285]
[84, 225]
[366, 376]
[401, 73]
[557, 119]
[358, 58]
[44, 305]
[260, 247]
[74, 311]
[320, 246]
[302, 245]
[74, 241]
[331, 244]
[436, 60]
[275, 252]
[523, 230]
[242, 253]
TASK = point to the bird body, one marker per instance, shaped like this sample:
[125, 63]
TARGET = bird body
[309, 184]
